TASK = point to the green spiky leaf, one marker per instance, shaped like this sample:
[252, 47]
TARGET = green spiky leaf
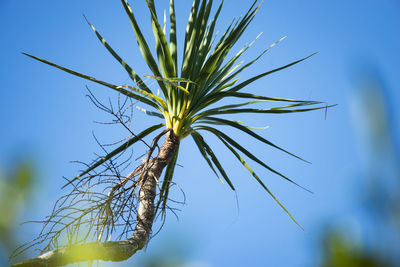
[118, 150]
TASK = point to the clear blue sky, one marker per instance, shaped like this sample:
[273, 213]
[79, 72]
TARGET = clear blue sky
[46, 116]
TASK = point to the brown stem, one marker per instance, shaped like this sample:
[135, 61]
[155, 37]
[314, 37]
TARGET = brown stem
[118, 250]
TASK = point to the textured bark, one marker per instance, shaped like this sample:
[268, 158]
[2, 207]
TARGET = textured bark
[118, 250]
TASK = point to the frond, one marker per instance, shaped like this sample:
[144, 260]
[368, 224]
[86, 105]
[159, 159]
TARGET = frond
[192, 93]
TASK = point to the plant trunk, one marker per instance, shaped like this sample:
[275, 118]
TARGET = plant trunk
[118, 250]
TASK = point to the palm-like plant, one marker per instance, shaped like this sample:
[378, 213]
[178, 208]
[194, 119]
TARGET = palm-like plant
[190, 104]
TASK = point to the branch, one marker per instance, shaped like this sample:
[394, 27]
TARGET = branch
[107, 251]
[119, 250]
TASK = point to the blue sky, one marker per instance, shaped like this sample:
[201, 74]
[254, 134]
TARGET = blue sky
[46, 116]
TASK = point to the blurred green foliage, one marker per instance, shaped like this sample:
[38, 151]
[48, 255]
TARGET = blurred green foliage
[379, 216]
[341, 252]
[15, 188]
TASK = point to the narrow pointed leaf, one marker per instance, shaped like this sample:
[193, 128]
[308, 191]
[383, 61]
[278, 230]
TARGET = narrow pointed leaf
[245, 83]
[191, 49]
[134, 76]
[118, 150]
[201, 42]
[164, 55]
[272, 99]
[251, 110]
[259, 181]
[190, 25]
[171, 81]
[152, 96]
[223, 136]
[165, 22]
[209, 151]
[217, 96]
[203, 152]
[169, 173]
[253, 134]
[172, 36]
[143, 47]
[151, 113]
[250, 63]
[112, 86]
[222, 49]
[235, 106]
